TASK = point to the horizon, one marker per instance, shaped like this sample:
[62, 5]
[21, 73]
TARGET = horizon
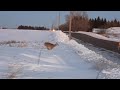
[13, 19]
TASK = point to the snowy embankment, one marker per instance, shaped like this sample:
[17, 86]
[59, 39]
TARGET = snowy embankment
[94, 35]
[67, 60]
[113, 33]
[103, 63]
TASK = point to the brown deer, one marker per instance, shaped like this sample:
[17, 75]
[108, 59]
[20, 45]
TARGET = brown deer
[50, 46]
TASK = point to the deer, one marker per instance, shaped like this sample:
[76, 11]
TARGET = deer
[50, 46]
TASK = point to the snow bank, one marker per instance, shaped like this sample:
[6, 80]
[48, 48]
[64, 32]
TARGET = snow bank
[113, 33]
[112, 73]
[97, 30]
[94, 35]
[100, 62]
[79, 48]
[114, 30]
[61, 37]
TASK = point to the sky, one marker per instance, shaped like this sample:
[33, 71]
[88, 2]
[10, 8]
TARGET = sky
[12, 19]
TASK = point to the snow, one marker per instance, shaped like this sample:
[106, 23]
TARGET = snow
[114, 30]
[23, 35]
[113, 33]
[94, 35]
[97, 30]
[68, 60]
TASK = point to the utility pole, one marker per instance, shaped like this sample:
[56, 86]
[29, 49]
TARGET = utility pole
[70, 26]
[59, 20]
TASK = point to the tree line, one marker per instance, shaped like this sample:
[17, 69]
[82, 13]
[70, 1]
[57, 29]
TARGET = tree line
[32, 27]
[81, 22]
[103, 23]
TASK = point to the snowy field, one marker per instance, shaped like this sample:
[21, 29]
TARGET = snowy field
[113, 33]
[24, 56]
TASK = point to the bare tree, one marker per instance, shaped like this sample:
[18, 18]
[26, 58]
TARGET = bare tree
[79, 20]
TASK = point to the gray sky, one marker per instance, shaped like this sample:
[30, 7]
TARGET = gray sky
[12, 19]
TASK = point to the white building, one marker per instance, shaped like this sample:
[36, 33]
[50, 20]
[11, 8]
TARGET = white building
[97, 30]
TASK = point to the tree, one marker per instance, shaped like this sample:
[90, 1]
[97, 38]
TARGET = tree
[32, 28]
[79, 21]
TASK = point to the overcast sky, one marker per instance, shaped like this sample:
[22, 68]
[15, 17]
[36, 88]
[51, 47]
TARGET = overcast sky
[12, 19]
